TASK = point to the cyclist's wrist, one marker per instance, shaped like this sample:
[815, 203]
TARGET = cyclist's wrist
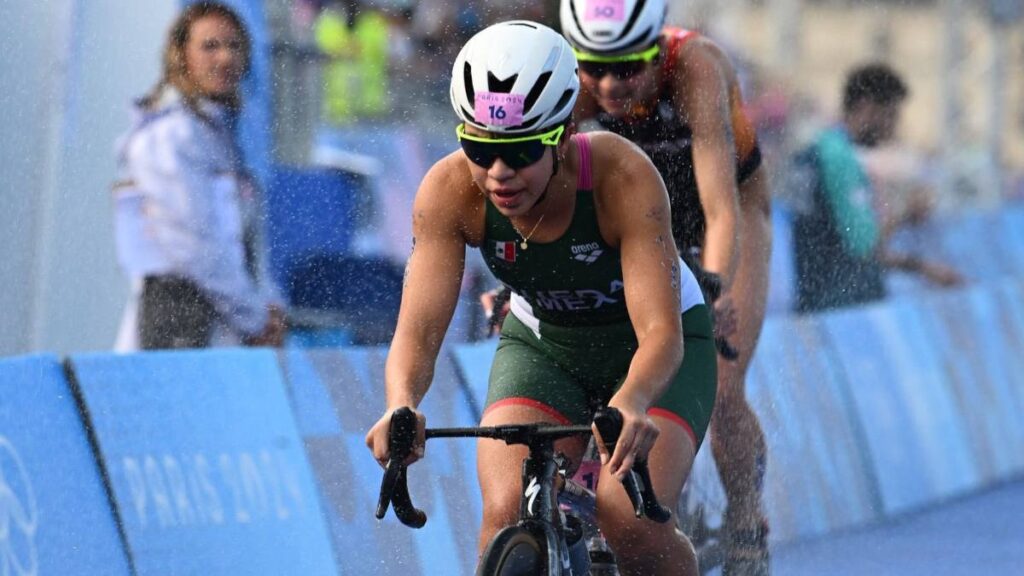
[630, 398]
[392, 406]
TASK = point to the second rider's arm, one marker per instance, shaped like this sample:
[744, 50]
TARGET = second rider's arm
[702, 93]
[433, 276]
[634, 213]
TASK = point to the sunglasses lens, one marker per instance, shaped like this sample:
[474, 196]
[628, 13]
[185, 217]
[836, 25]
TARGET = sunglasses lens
[621, 70]
[481, 154]
[516, 155]
[595, 69]
[624, 70]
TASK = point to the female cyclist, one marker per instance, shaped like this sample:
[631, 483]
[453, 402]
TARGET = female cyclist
[602, 307]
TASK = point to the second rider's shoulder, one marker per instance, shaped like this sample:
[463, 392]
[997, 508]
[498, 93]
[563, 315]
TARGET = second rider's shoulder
[699, 52]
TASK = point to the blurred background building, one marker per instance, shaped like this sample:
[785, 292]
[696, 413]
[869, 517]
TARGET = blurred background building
[71, 67]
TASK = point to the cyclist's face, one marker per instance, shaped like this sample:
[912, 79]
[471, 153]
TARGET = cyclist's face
[214, 56]
[514, 191]
[617, 93]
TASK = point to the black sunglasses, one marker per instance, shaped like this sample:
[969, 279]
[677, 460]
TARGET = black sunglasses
[620, 70]
[517, 153]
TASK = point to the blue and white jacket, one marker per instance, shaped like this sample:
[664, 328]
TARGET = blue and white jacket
[183, 203]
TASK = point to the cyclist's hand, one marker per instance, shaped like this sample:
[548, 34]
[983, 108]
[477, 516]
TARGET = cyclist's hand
[274, 332]
[635, 441]
[725, 317]
[941, 275]
[377, 439]
[488, 300]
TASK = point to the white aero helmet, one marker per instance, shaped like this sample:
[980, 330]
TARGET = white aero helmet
[611, 27]
[515, 77]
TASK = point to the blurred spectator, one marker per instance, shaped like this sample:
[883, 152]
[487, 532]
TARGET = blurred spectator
[358, 41]
[840, 242]
[186, 207]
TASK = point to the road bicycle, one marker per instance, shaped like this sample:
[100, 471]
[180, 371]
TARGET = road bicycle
[545, 541]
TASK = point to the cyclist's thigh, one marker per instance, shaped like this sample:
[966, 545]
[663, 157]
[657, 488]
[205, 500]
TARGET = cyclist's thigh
[690, 399]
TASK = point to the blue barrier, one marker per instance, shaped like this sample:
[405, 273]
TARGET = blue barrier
[1005, 342]
[903, 398]
[781, 267]
[55, 517]
[337, 396]
[474, 364]
[205, 462]
[819, 477]
[985, 373]
[1011, 225]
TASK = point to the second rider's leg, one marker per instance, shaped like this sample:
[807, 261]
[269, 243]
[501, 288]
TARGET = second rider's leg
[737, 440]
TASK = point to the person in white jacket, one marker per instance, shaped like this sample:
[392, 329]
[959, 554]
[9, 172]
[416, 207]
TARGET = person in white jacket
[186, 207]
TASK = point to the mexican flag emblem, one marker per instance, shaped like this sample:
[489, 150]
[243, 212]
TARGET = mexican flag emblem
[505, 251]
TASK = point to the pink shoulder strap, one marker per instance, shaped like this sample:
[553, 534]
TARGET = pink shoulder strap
[583, 143]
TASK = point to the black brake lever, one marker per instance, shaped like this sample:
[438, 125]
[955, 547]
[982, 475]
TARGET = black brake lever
[609, 423]
[394, 488]
[651, 508]
[637, 482]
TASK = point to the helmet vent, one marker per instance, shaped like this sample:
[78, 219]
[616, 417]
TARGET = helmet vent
[467, 81]
[563, 102]
[535, 92]
[502, 86]
[529, 123]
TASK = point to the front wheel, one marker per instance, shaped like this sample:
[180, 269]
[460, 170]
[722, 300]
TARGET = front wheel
[515, 551]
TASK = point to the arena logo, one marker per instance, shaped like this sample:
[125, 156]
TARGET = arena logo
[19, 515]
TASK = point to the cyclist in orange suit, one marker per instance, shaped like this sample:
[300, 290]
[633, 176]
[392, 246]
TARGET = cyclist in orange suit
[675, 94]
[602, 307]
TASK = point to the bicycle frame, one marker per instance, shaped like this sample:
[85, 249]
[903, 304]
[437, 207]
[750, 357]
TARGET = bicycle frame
[538, 505]
[539, 512]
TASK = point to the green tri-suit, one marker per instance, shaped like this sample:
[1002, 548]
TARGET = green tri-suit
[568, 342]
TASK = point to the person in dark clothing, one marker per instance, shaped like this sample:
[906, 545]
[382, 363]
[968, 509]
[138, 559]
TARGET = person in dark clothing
[840, 248]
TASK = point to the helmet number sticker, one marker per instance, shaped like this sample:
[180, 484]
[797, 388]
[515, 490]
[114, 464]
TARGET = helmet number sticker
[613, 10]
[498, 108]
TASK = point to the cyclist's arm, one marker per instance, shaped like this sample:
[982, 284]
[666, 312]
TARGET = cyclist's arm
[701, 90]
[634, 213]
[433, 276]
